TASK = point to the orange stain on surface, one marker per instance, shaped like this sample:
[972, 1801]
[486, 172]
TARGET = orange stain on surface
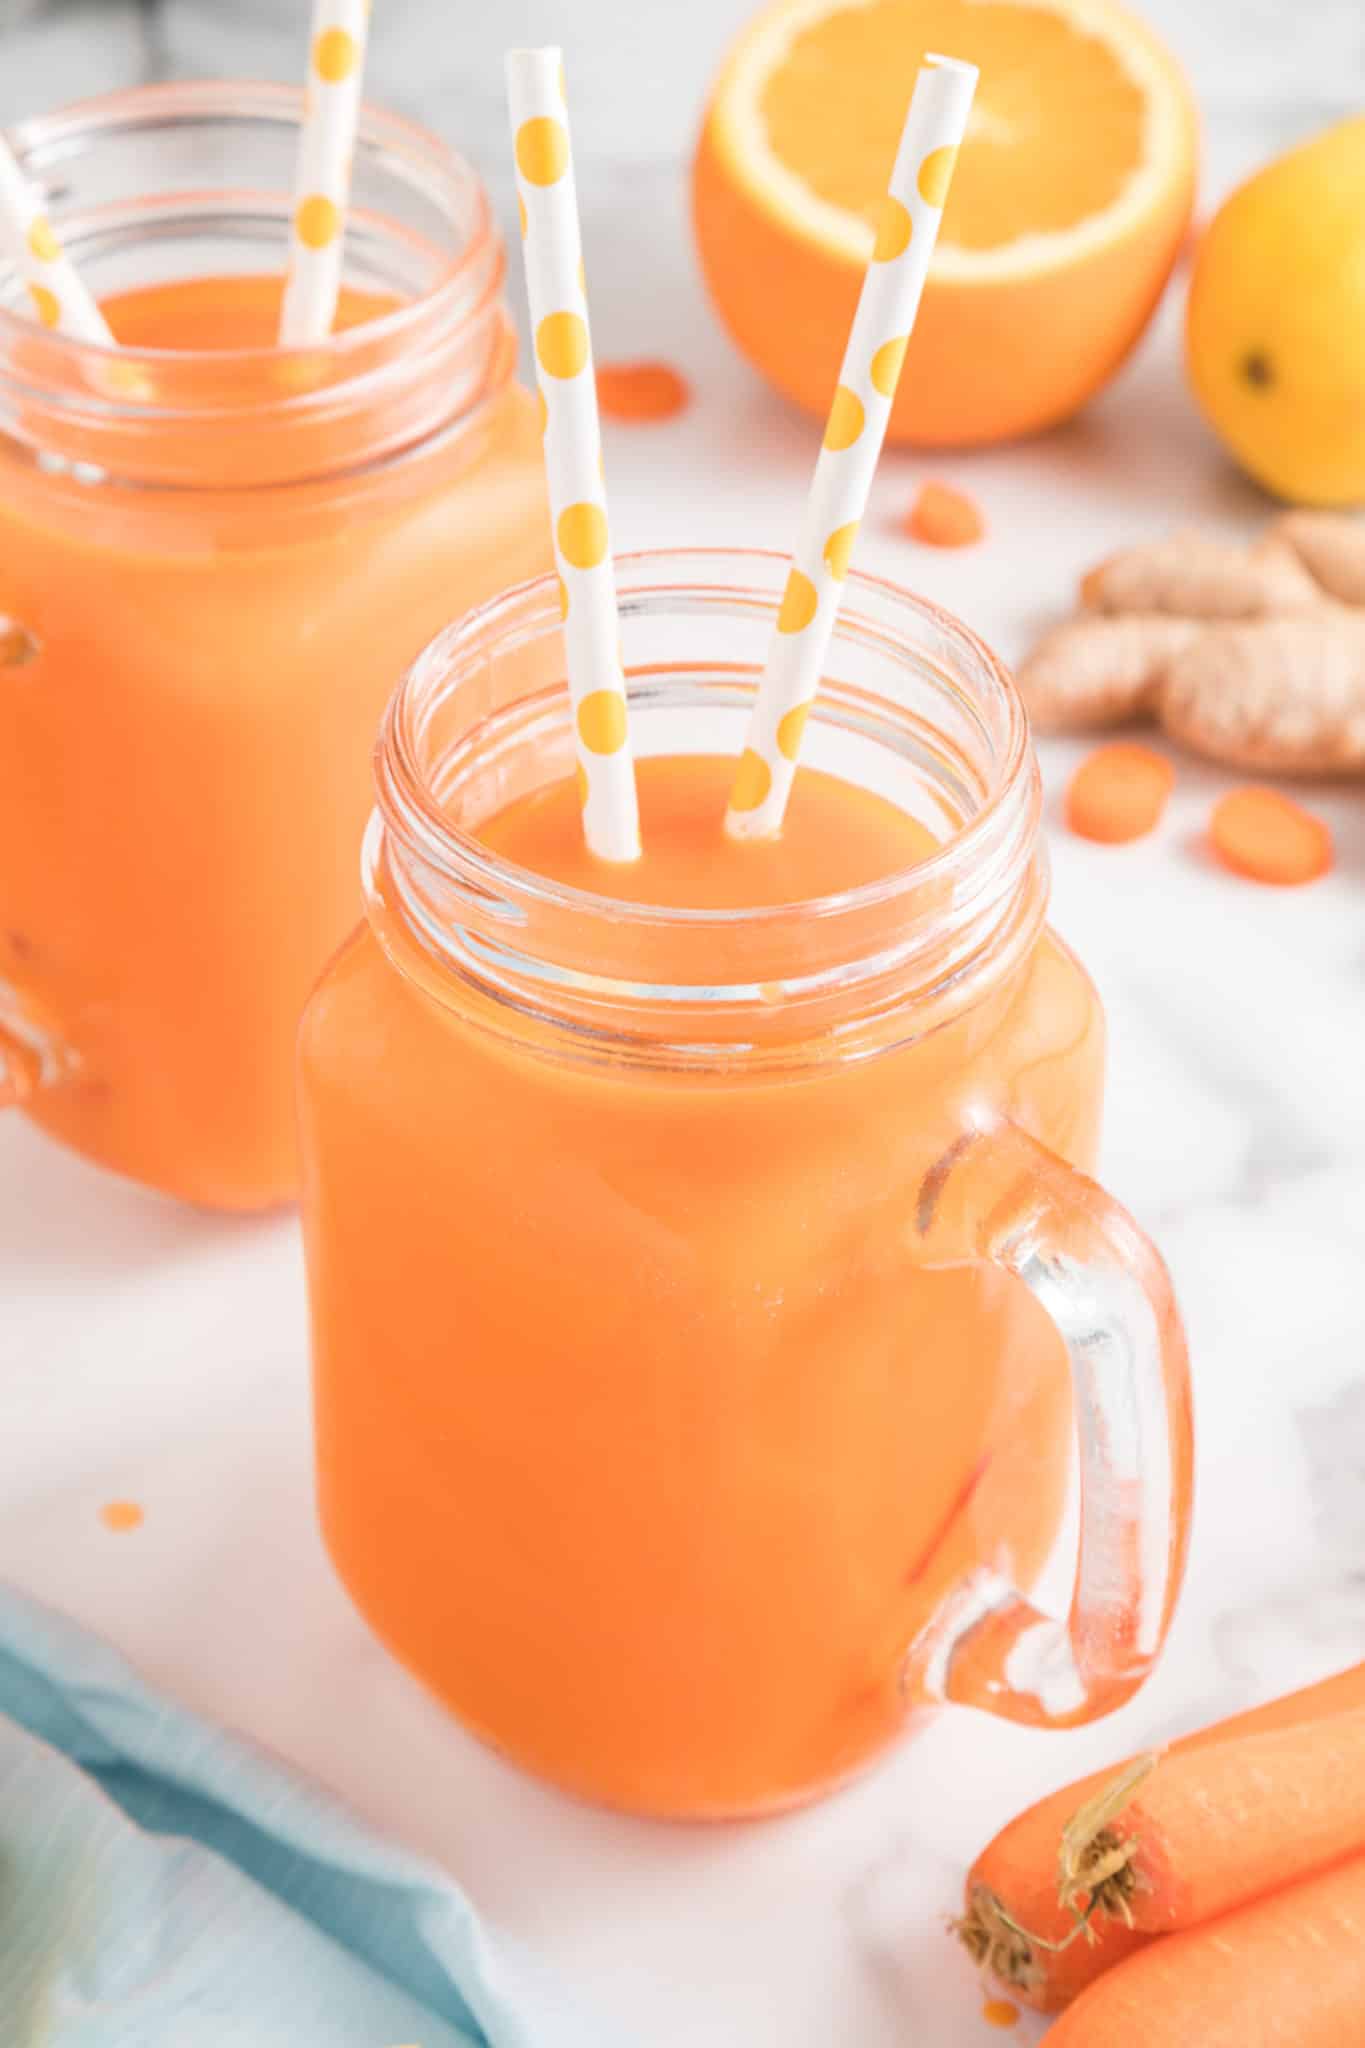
[641, 392]
[121, 1515]
[998, 2012]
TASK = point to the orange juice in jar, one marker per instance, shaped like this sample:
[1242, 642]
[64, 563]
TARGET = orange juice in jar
[214, 556]
[707, 1290]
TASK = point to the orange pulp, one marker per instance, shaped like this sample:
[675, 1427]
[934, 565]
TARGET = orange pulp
[642, 1439]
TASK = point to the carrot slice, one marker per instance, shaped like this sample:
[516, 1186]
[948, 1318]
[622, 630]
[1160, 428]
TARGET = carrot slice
[1014, 1920]
[641, 392]
[1289, 1969]
[1265, 835]
[1119, 793]
[1212, 1829]
[121, 1515]
[942, 517]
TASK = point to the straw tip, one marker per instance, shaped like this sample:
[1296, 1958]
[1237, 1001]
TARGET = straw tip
[544, 53]
[934, 61]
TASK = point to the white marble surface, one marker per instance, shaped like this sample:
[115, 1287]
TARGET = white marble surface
[639, 67]
[150, 1352]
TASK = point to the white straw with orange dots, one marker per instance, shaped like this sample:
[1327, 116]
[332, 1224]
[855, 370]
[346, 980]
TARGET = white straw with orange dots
[573, 451]
[322, 180]
[59, 298]
[906, 233]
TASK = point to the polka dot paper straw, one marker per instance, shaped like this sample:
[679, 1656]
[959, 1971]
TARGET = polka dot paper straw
[906, 233]
[59, 298]
[322, 182]
[573, 451]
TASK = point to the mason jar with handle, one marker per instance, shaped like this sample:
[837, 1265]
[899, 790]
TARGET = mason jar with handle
[215, 554]
[710, 1307]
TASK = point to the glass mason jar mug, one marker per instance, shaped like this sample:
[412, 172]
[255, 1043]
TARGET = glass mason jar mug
[693, 1292]
[215, 554]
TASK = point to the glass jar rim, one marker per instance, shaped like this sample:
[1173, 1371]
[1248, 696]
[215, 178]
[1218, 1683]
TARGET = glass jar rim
[594, 978]
[415, 376]
[181, 101]
[406, 797]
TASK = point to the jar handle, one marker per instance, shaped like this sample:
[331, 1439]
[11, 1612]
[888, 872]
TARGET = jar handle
[26, 1058]
[1001, 1196]
[20, 1071]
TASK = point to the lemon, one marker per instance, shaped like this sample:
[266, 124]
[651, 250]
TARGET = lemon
[1275, 328]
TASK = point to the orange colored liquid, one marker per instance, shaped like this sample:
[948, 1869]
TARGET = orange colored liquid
[833, 838]
[641, 1437]
[185, 761]
[221, 313]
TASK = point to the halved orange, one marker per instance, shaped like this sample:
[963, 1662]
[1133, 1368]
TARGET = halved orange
[1071, 197]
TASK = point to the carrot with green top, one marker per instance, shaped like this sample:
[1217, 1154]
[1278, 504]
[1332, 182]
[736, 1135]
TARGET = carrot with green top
[1287, 1972]
[1015, 1924]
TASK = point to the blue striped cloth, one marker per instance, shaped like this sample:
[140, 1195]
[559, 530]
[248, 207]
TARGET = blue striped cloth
[165, 1885]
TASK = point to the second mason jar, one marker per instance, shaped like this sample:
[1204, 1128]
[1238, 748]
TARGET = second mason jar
[214, 556]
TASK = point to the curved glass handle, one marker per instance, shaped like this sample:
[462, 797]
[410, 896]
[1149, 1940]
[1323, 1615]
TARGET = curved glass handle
[999, 1195]
[32, 1056]
[21, 1071]
[24, 1063]
[23, 1059]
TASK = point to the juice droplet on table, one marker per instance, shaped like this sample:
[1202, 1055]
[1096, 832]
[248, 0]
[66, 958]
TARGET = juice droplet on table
[641, 392]
[121, 1515]
[998, 2012]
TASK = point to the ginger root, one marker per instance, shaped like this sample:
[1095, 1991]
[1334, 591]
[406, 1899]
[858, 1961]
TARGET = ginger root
[1196, 576]
[1254, 656]
[1091, 673]
[1332, 550]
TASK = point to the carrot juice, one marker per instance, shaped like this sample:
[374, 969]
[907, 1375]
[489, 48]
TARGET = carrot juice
[214, 555]
[652, 1431]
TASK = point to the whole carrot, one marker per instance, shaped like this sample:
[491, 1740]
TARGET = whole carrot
[1287, 1972]
[1214, 1828]
[1014, 1924]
